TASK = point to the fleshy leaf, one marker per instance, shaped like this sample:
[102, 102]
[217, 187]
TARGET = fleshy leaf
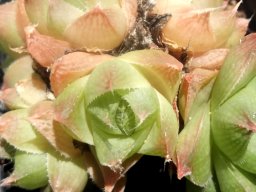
[6, 150]
[11, 99]
[42, 118]
[18, 70]
[41, 45]
[103, 176]
[29, 171]
[106, 108]
[193, 148]
[162, 138]
[222, 24]
[111, 75]
[20, 134]
[206, 3]
[234, 127]
[83, 5]
[211, 60]
[195, 90]
[241, 26]
[125, 118]
[73, 66]
[161, 70]
[57, 22]
[241, 62]
[9, 34]
[110, 180]
[96, 25]
[22, 19]
[211, 186]
[201, 30]
[197, 25]
[230, 177]
[171, 6]
[117, 183]
[26, 93]
[37, 11]
[109, 84]
[70, 111]
[113, 145]
[66, 174]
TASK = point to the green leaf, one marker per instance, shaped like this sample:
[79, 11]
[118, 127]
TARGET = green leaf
[206, 4]
[193, 148]
[115, 141]
[25, 93]
[37, 11]
[86, 5]
[6, 150]
[29, 171]
[211, 186]
[111, 75]
[162, 138]
[125, 118]
[10, 35]
[234, 127]
[66, 174]
[18, 70]
[106, 108]
[230, 177]
[57, 22]
[41, 116]
[17, 131]
[161, 69]
[195, 90]
[70, 111]
[80, 4]
[239, 68]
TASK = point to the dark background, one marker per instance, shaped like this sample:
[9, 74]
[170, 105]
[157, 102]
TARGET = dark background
[249, 7]
[150, 173]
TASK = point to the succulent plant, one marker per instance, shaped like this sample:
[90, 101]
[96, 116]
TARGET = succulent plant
[201, 25]
[93, 86]
[220, 123]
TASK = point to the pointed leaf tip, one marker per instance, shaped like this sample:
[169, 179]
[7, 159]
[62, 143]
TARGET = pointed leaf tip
[40, 45]
[182, 170]
[113, 25]
[42, 118]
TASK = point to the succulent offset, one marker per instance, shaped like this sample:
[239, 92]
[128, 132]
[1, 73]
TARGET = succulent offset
[91, 86]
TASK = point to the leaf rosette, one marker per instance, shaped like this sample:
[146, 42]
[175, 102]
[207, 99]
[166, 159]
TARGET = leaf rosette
[40, 153]
[200, 26]
[94, 20]
[219, 114]
[119, 108]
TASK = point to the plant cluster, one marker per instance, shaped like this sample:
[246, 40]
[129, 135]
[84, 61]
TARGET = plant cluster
[91, 86]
